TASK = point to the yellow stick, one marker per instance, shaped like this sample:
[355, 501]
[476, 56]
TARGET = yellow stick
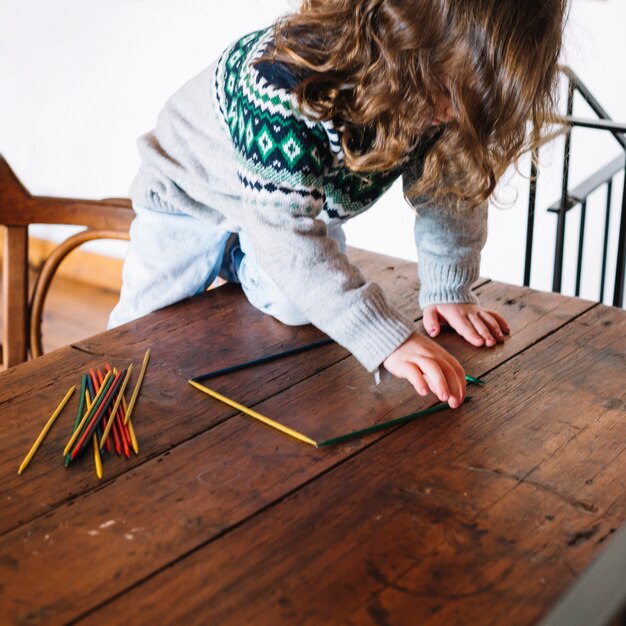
[131, 430]
[116, 406]
[133, 398]
[76, 432]
[97, 460]
[252, 413]
[96, 457]
[44, 432]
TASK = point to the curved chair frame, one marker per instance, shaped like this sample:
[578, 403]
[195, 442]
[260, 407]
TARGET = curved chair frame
[46, 274]
[103, 219]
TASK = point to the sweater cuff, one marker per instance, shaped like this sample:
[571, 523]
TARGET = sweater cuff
[373, 330]
[447, 283]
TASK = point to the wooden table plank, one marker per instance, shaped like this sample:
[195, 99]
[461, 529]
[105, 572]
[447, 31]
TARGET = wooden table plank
[204, 486]
[351, 402]
[486, 514]
[244, 334]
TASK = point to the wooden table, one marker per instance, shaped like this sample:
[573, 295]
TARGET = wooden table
[483, 515]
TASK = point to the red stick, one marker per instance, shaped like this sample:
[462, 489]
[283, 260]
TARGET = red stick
[94, 380]
[120, 425]
[95, 385]
[116, 439]
[114, 430]
[118, 435]
[97, 381]
[89, 429]
[122, 415]
[123, 427]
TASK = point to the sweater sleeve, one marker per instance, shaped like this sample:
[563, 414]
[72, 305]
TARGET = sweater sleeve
[281, 219]
[449, 242]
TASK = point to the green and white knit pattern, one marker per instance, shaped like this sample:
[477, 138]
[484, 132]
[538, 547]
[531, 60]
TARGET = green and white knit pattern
[285, 158]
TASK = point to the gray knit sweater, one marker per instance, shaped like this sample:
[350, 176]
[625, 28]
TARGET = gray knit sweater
[233, 148]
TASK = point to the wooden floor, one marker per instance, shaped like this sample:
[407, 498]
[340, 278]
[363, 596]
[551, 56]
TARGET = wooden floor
[73, 311]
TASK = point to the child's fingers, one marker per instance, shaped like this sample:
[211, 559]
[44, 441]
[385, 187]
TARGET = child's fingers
[456, 383]
[454, 373]
[431, 321]
[460, 372]
[412, 373]
[416, 378]
[427, 365]
[407, 369]
[501, 321]
[435, 378]
[481, 329]
[492, 324]
[464, 327]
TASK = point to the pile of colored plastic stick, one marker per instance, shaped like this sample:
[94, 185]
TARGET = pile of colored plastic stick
[102, 418]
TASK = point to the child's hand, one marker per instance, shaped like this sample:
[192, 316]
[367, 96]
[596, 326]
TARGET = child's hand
[425, 364]
[477, 325]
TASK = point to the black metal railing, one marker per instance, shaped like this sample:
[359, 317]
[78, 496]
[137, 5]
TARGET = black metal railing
[579, 195]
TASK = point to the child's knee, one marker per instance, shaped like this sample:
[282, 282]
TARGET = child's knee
[266, 296]
[270, 300]
[286, 313]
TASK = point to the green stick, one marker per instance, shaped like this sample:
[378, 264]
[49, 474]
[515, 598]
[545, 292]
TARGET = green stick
[79, 413]
[394, 422]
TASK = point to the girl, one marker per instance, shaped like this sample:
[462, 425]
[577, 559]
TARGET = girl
[257, 161]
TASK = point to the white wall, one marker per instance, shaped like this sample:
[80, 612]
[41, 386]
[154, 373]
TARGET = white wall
[79, 81]
[596, 49]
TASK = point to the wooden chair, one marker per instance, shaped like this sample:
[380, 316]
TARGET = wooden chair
[22, 312]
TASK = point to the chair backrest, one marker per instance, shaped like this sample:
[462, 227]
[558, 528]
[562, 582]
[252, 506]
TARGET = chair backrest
[21, 313]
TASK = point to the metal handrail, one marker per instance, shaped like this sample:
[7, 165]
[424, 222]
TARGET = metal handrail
[579, 195]
[617, 129]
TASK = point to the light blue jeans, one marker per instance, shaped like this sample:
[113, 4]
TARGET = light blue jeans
[172, 256]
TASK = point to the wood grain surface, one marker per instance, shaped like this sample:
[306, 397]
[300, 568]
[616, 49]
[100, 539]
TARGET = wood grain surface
[459, 517]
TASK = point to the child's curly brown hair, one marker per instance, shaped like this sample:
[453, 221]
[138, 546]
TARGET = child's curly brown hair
[383, 70]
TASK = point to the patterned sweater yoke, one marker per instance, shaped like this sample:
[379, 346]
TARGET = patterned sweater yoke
[281, 149]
